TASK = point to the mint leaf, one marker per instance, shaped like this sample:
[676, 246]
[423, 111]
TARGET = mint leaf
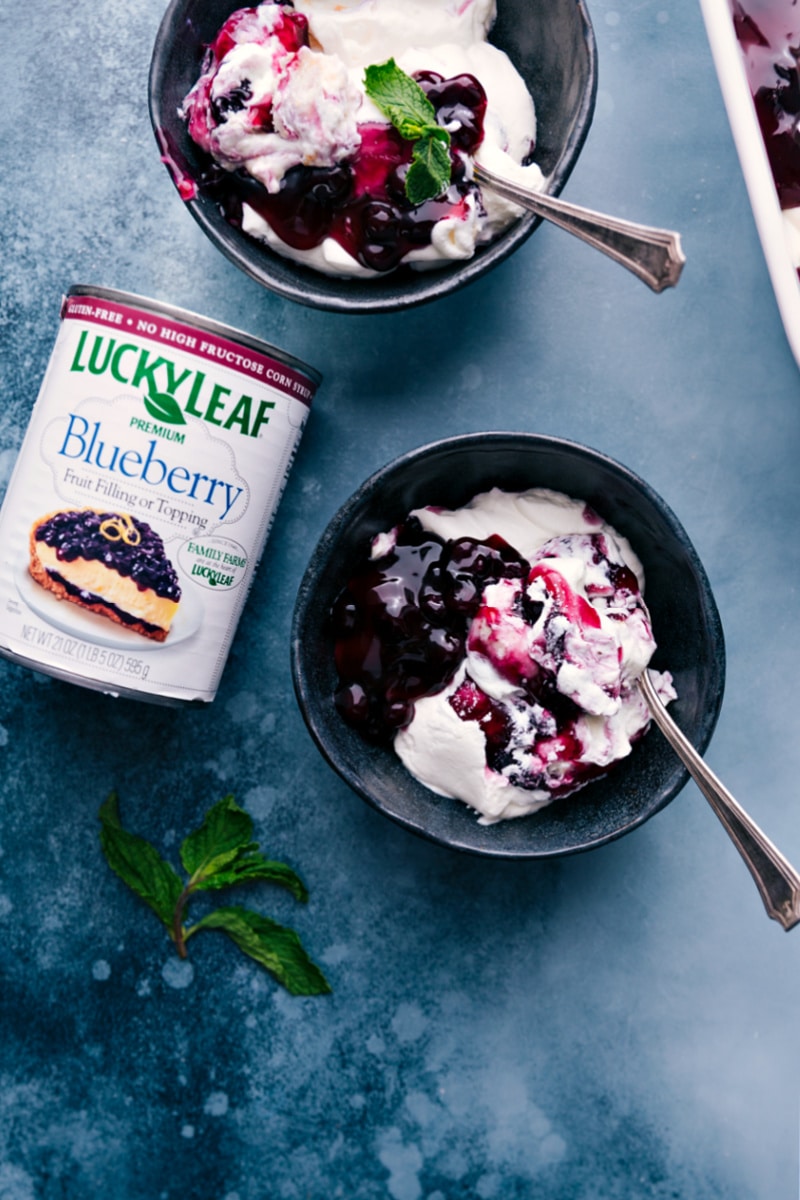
[218, 854]
[252, 868]
[430, 164]
[139, 864]
[273, 946]
[226, 832]
[400, 98]
[403, 101]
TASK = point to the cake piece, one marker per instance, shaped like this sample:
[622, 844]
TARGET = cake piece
[109, 563]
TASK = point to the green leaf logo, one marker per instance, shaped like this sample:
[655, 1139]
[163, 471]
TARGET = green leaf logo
[164, 407]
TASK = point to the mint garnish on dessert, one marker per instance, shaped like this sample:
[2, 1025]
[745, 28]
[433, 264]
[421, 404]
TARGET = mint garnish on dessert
[408, 108]
[220, 853]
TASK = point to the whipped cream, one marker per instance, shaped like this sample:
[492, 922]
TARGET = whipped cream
[267, 103]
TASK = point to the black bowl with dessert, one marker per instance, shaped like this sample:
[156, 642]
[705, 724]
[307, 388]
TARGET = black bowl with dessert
[468, 635]
[328, 148]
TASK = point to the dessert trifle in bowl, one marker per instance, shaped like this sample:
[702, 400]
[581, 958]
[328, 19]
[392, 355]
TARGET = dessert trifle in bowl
[470, 631]
[329, 149]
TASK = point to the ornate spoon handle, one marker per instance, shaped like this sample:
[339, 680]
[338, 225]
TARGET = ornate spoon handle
[655, 255]
[776, 879]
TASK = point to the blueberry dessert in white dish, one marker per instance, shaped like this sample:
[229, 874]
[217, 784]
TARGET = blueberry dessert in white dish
[769, 36]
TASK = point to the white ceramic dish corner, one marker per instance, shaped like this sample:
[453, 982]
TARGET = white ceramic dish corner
[730, 67]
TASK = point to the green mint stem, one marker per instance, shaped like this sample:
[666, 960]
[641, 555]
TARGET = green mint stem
[179, 933]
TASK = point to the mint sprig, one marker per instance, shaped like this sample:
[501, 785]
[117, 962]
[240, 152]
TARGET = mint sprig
[220, 853]
[404, 102]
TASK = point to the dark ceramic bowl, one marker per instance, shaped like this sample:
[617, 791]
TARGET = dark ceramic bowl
[685, 622]
[551, 42]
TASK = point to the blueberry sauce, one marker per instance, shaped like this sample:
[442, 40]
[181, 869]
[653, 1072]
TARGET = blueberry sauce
[769, 36]
[404, 623]
[360, 202]
[78, 534]
[400, 624]
[528, 743]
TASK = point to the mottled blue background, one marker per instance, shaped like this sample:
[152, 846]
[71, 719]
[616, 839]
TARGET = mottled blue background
[620, 1024]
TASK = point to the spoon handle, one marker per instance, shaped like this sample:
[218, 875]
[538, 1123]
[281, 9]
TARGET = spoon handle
[655, 255]
[776, 879]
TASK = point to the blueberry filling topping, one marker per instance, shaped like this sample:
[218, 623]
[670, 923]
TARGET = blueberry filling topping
[84, 533]
[404, 624]
[401, 623]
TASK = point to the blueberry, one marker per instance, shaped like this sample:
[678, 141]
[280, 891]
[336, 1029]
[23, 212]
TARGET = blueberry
[379, 222]
[235, 100]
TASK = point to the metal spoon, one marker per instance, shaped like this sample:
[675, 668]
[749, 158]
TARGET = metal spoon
[776, 879]
[655, 255]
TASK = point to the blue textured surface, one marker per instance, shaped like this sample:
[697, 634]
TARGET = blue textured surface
[621, 1024]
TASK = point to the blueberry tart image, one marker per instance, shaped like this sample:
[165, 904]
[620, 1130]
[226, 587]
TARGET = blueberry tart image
[107, 563]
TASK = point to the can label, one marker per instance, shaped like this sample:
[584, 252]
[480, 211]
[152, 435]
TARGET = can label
[144, 491]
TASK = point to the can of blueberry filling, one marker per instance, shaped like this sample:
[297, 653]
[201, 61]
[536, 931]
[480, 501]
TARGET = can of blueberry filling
[144, 490]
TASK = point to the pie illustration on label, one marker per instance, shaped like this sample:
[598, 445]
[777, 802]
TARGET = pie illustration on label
[108, 563]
